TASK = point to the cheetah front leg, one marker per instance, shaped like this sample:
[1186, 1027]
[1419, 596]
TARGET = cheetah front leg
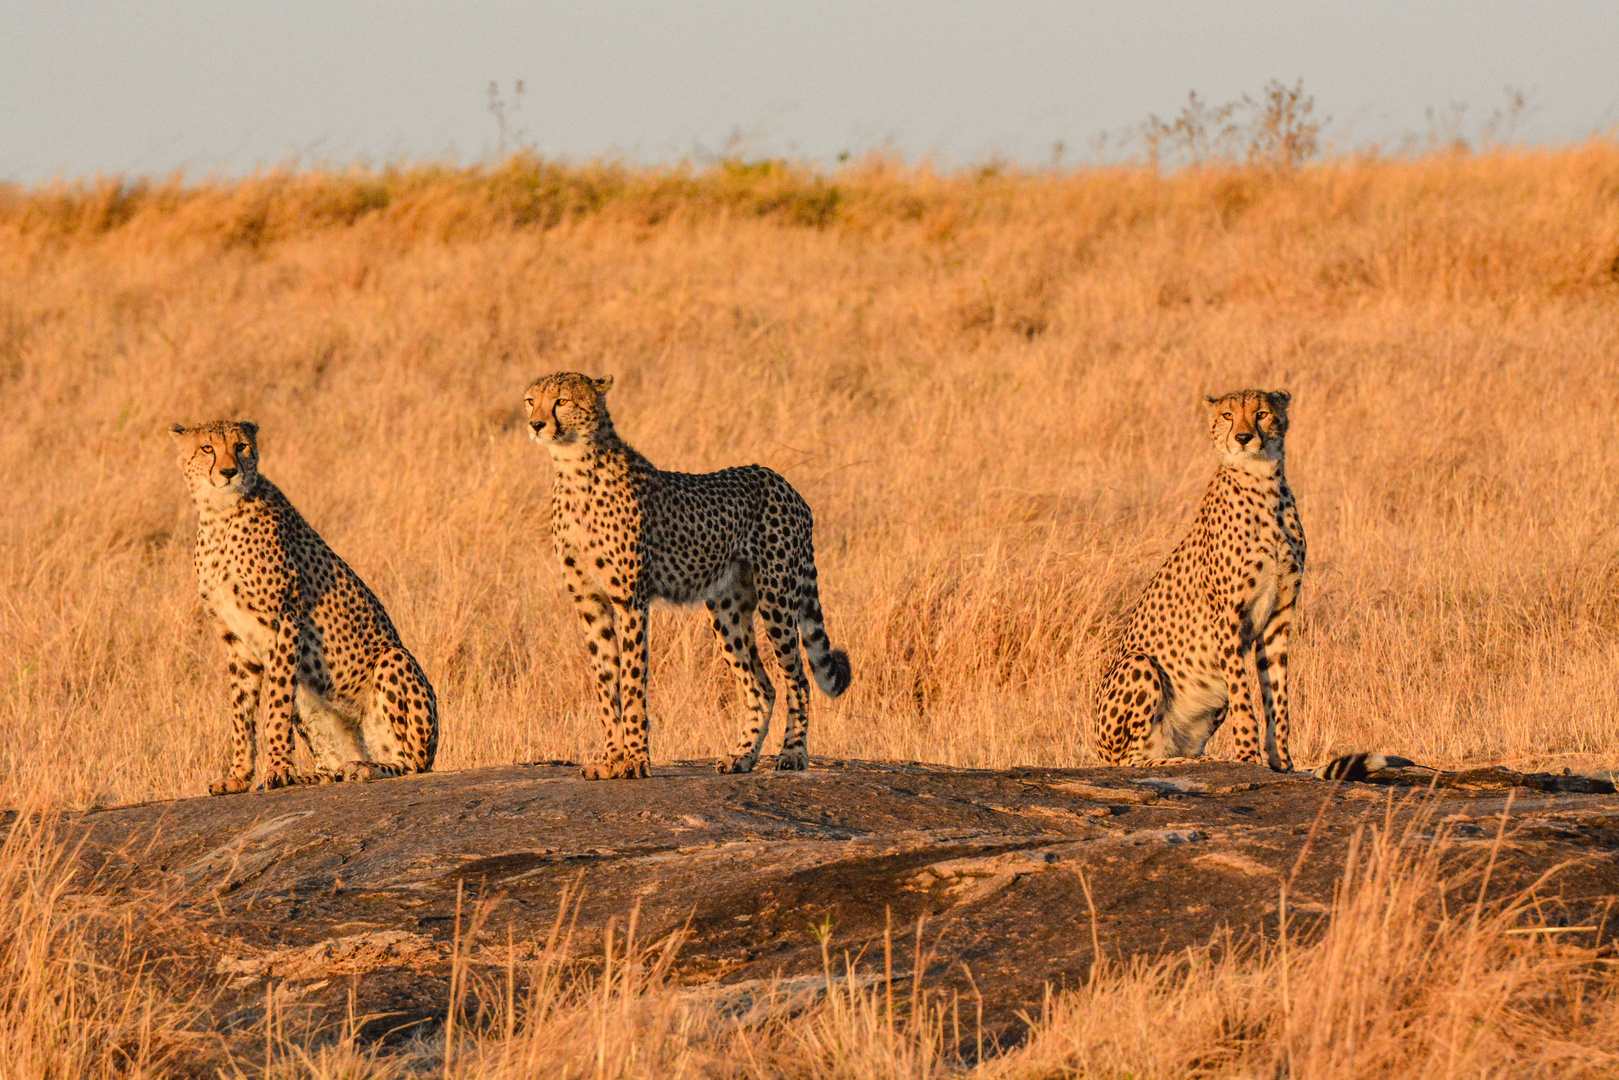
[246, 677]
[277, 701]
[633, 653]
[1240, 705]
[601, 639]
[1270, 659]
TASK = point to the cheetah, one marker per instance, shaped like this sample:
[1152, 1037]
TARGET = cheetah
[308, 642]
[1227, 592]
[626, 533]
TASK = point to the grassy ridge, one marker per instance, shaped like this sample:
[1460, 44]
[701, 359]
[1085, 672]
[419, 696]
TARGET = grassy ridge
[1445, 221]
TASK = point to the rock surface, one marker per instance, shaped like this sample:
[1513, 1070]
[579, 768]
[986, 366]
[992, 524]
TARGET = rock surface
[314, 892]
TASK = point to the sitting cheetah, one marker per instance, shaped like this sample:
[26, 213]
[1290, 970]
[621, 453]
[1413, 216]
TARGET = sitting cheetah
[300, 626]
[627, 534]
[1226, 592]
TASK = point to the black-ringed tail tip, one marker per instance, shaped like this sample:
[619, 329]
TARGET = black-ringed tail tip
[1359, 766]
[833, 676]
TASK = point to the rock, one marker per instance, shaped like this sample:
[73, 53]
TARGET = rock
[317, 890]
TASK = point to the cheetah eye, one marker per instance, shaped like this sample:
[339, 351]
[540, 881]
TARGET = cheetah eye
[208, 449]
[563, 401]
[1260, 416]
[241, 448]
[1226, 415]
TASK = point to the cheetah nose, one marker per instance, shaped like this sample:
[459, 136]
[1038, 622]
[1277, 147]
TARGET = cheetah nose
[1245, 438]
[536, 425]
[227, 473]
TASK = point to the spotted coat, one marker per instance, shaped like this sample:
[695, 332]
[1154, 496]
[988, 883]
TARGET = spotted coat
[1225, 595]
[311, 648]
[626, 534]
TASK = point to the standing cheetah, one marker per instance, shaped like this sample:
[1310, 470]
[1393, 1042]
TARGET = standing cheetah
[307, 640]
[1227, 592]
[627, 534]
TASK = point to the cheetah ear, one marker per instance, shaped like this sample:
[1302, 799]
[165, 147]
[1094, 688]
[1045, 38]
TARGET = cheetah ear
[602, 385]
[1280, 398]
[177, 431]
[250, 427]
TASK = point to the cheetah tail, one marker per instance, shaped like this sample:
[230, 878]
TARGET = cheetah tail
[1359, 766]
[830, 666]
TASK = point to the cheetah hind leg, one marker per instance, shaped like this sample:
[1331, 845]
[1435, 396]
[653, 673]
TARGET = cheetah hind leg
[732, 611]
[1130, 712]
[400, 730]
[781, 623]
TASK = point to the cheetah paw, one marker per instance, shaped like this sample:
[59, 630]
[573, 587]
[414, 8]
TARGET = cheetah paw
[358, 771]
[229, 785]
[741, 763]
[638, 769]
[796, 760]
[285, 776]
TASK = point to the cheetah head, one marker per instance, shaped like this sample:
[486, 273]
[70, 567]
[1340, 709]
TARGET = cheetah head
[220, 460]
[567, 407]
[1248, 425]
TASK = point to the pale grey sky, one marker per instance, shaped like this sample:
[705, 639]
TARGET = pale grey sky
[223, 86]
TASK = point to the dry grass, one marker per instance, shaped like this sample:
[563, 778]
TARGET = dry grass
[77, 994]
[1415, 975]
[985, 383]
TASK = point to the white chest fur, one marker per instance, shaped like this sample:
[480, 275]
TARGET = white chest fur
[1269, 554]
[229, 608]
[571, 516]
[225, 592]
[1267, 586]
[581, 481]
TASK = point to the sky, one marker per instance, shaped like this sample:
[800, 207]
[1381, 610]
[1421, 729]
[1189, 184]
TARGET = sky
[222, 87]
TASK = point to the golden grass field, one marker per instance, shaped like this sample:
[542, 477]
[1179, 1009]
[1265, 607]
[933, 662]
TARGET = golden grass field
[986, 384]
